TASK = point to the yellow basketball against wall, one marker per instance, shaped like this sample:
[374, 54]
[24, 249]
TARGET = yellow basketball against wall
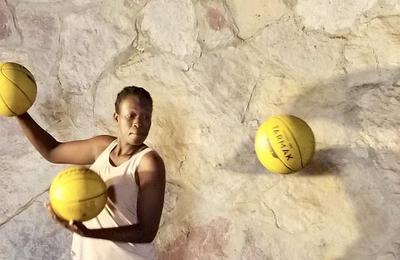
[17, 89]
[284, 144]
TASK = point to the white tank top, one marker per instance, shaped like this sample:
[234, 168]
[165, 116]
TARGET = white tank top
[120, 210]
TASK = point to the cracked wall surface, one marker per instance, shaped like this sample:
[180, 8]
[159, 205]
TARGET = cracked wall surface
[216, 71]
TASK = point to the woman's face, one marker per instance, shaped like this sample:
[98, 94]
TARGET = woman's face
[134, 119]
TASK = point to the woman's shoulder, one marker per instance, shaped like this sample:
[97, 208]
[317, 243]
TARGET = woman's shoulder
[102, 142]
[151, 159]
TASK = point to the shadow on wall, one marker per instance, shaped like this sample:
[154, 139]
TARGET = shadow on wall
[361, 109]
[169, 136]
[367, 110]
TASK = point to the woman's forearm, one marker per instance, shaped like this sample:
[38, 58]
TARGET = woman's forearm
[130, 234]
[40, 139]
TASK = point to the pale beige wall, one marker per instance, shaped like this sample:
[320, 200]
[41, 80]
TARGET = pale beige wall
[216, 70]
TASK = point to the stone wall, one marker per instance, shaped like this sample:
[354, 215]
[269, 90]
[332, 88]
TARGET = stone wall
[216, 71]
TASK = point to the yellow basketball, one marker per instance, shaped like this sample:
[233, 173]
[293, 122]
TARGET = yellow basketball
[284, 144]
[77, 193]
[17, 89]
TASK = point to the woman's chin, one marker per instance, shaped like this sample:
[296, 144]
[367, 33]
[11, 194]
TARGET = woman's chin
[136, 139]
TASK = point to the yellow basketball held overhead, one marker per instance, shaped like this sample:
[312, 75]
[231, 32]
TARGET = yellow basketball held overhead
[17, 89]
[77, 193]
[284, 144]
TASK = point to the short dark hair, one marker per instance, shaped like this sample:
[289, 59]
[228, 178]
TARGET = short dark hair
[139, 92]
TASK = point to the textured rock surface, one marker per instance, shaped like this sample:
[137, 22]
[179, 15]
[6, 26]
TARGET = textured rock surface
[216, 71]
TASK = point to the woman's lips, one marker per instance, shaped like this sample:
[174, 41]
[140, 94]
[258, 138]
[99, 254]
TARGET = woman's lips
[136, 133]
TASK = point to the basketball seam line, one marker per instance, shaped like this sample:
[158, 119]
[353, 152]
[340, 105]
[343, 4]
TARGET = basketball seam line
[17, 87]
[88, 178]
[93, 197]
[86, 198]
[23, 92]
[14, 69]
[294, 138]
[26, 71]
[5, 103]
[277, 156]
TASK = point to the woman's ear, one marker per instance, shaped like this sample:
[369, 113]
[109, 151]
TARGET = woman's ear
[115, 115]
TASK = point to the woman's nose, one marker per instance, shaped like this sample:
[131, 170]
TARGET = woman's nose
[136, 122]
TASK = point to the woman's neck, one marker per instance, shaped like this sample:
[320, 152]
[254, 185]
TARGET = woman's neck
[125, 149]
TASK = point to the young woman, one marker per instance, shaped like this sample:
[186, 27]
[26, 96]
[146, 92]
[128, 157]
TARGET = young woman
[133, 172]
